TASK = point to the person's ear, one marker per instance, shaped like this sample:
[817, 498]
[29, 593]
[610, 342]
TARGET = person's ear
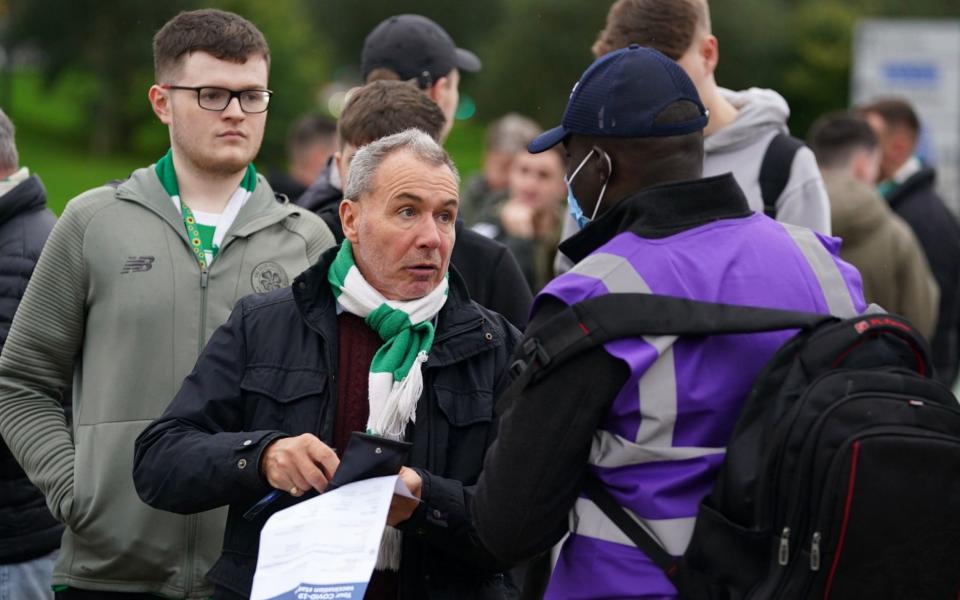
[341, 167]
[436, 91]
[709, 53]
[903, 143]
[859, 164]
[160, 103]
[603, 164]
[350, 218]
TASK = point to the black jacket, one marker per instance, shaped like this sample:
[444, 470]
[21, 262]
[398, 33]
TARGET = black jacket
[916, 201]
[323, 198]
[489, 269]
[282, 183]
[270, 372]
[27, 529]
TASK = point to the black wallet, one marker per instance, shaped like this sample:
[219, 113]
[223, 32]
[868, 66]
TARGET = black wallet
[368, 456]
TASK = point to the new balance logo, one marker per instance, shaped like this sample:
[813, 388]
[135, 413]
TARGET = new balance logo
[137, 264]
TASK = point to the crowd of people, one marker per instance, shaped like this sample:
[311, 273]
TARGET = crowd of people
[182, 342]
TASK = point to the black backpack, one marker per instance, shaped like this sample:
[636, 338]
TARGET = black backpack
[842, 476]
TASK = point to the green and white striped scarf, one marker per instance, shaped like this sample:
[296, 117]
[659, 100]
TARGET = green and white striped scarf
[168, 179]
[406, 329]
[396, 377]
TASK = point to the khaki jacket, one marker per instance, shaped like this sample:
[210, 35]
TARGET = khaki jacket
[119, 304]
[885, 250]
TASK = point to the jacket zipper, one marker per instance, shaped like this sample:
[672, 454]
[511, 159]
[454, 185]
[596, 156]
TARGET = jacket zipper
[204, 280]
[192, 519]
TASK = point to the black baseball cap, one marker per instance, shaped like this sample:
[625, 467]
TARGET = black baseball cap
[621, 95]
[414, 47]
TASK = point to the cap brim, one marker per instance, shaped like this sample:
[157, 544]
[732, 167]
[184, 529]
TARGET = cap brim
[467, 61]
[547, 139]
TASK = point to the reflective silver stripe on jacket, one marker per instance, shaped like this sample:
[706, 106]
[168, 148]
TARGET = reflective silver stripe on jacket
[825, 269]
[657, 388]
[673, 535]
[610, 451]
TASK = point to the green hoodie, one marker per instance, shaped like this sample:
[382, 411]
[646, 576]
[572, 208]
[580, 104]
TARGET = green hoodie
[119, 305]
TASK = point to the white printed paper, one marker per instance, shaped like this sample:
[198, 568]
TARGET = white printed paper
[325, 548]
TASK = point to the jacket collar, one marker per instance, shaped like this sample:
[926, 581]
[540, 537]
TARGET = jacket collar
[661, 211]
[261, 209]
[459, 331]
[322, 193]
[925, 177]
[28, 196]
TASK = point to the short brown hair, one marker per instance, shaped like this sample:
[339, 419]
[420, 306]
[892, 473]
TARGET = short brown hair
[665, 25]
[382, 108]
[895, 112]
[836, 136]
[385, 74]
[382, 74]
[223, 35]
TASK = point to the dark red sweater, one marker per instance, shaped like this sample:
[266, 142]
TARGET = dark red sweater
[357, 344]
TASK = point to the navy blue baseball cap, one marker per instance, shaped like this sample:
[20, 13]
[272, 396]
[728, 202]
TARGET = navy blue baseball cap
[621, 95]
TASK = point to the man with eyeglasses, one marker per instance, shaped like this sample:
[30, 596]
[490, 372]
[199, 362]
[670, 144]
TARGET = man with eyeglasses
[131, 284]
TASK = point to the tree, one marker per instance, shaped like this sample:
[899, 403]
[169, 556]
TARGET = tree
[535, 55]
[112, 49]
[112, 46]
[299, 66]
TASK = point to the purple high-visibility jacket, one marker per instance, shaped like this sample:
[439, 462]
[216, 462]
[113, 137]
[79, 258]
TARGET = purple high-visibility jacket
[660, 445]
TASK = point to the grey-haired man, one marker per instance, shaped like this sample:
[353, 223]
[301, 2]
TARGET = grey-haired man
[281, 386]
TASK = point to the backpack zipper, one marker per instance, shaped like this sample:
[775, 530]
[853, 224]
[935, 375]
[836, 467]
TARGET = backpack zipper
[815, 552]
[803, 481]
[819, 525]
[783, 554]
[801, 477]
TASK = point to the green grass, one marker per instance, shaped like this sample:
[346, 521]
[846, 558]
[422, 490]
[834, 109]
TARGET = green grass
[50, 122]
[66, 170]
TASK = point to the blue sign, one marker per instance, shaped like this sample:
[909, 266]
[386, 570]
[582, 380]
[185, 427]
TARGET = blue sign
[911, 74]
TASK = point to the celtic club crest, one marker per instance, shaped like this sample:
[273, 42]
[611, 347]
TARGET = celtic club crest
[268, 276]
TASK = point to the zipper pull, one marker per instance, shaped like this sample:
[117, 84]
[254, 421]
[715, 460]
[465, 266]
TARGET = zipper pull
[204, 275]
[815, 552]
[783, 557]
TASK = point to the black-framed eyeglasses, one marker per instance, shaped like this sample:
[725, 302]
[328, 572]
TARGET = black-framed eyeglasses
[216, 98]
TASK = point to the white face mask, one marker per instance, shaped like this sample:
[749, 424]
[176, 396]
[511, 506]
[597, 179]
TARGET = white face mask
[572, 204]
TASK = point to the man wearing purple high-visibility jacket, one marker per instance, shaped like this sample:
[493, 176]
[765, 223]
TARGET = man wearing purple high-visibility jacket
[650, 417]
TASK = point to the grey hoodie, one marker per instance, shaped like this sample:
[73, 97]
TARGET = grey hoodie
[739, 148]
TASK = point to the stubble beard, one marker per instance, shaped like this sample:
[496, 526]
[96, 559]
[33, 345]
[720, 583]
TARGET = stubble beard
[207, 163]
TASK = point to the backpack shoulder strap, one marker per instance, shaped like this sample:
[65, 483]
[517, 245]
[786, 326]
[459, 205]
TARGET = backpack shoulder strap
[775, 170]
[605, 501]
[593, 322]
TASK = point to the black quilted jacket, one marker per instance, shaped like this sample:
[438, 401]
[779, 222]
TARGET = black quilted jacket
[27, 529]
